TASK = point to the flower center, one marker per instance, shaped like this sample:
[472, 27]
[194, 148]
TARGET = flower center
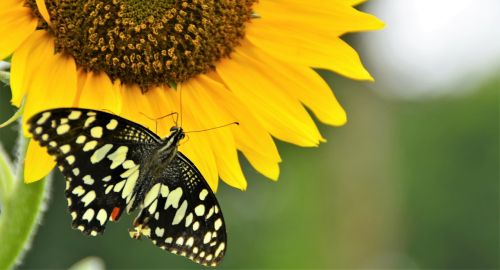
[147, 42]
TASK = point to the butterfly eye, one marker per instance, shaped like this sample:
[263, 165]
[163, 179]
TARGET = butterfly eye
[174, 128]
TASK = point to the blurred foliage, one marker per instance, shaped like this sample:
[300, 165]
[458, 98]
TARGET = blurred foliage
[402, 185]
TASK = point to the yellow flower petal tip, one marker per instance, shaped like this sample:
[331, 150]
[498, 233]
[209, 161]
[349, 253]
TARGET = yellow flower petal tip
[42, 8]
[267, 85]
[38, 163]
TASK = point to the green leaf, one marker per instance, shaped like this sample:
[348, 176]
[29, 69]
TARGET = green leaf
[20, 213]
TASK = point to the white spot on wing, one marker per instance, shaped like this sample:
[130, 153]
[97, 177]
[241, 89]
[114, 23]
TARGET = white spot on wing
[152, 207]
[81, 139]
[207, 238]
[112, 124]
[74, 115]
[220, 249]
[44, 118]
[164, 191]
[189, 219]
[203, 194]
[65, 148]
[108, 189]
[100, 153]
[78, 191]
[180, 241]
[88, 198]
[173, 198]
[70, 159]
[190, 242]
[179, 214]
[119, 186]
[118, 156]
[89, 121]
[159, 232]
[218, 224]
[152, 194]
[102, 216]
[89, 146]
[129, 186]
[200, 210]
[62, 129]
[96, 132]
[88, 180]
[88, 215]
[196, 226]
[210, 212]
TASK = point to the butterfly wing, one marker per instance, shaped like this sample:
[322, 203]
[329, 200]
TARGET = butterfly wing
[181, 214]
[100, 156]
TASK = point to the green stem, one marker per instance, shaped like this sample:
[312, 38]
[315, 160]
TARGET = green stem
[6, 176]
[20, 213]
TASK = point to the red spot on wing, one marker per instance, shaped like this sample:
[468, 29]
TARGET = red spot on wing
[115, 214]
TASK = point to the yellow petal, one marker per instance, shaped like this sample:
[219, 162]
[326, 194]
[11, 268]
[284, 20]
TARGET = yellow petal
[27, 58]
[53, 85]
[301, 47]
[334, 17]
[16, 25]
[355, 2]
[306, 85]
[251, 137]
[8, 4]
[136, 107]
[264, 92]
[163, 108]
[42, 8]
[99, 93]
[38, 163]
[199, 101]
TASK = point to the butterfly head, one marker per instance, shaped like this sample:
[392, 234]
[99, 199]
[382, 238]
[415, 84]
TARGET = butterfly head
[176, 133]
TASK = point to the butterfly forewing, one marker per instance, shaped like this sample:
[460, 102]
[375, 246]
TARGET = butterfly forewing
[100, 156]
[182, 215]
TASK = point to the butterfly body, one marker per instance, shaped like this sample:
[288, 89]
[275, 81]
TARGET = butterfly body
[113, 165]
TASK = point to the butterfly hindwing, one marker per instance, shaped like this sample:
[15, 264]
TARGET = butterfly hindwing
[100, 156]
[181, 214]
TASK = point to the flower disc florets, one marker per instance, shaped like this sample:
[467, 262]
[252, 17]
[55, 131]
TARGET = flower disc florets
[147, 42]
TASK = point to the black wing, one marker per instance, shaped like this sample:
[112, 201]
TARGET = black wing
[181, 214]
[100, 156]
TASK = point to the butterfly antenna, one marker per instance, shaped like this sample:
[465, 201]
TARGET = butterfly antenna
[159, 118]
[233, 123]
[185, 141]
[180, 101]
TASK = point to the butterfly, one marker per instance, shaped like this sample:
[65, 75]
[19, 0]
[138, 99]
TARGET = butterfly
[112, 165]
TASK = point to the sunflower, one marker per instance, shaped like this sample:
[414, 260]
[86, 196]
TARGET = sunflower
[234, 60]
